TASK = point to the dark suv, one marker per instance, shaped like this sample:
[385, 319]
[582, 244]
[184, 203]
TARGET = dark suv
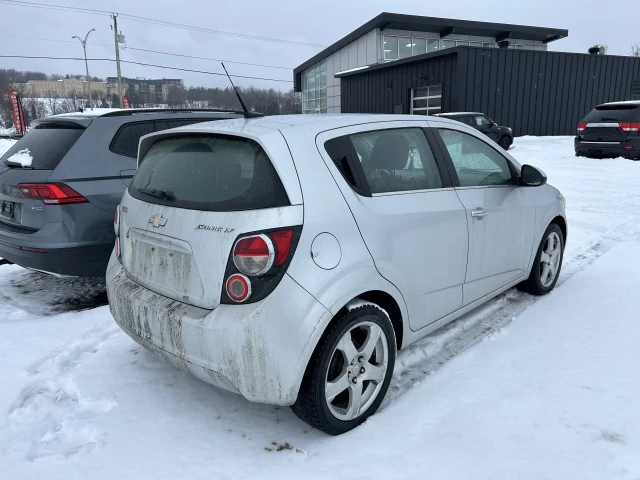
[503, 136]
[61, 183]
[610, 130]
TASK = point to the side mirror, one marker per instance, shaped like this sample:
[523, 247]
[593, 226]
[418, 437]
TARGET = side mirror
[532, 177]
[494, 124]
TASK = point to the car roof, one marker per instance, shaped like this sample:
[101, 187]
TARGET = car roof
[129, 112]
[308, 122]
[627, 102]
[455, 114]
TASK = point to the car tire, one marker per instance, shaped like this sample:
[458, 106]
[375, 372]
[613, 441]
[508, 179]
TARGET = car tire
[505, 143]
[547, 264]
[339, 361]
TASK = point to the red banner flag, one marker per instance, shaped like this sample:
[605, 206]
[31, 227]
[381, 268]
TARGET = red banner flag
[16, 109]
[125, 102]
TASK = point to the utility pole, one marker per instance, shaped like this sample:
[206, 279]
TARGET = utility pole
[86, 65]
[116, 38]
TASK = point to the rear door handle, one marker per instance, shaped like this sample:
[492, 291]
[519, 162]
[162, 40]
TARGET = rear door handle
[479, 213]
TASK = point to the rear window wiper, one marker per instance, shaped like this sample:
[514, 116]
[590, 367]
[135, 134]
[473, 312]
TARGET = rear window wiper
[161, 194]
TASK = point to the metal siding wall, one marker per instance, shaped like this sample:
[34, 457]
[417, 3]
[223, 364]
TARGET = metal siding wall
[368, 93]
[533, 92]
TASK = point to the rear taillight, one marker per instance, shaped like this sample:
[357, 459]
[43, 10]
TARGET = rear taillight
[257, 263]
[51, 193]
[582, 127]
[116, 221]
[629, 127]
[254, 255]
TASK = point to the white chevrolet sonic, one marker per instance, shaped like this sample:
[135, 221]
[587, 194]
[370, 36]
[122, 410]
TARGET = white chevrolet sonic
[288, 258]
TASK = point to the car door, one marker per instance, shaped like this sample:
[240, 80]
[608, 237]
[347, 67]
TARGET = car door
[486, 126]
[500, 214]
[410, 217]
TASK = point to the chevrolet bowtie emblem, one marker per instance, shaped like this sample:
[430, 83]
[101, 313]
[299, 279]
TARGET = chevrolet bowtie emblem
[158, 221]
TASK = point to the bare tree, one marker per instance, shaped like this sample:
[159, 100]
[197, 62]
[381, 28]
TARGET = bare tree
[635, 50]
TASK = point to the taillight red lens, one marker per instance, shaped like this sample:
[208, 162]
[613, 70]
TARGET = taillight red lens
[238, 287]
[51, 193]
[629, 127]
[582, 127]
[282, 240]
[116, 221]
[253, 255]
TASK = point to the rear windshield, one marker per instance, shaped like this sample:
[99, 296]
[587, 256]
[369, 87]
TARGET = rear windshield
[614, 113]
[218, 173]
[43, 147]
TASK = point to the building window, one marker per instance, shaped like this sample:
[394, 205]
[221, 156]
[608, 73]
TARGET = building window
[448, 43]
[475, 44]
[426, 100]
[390, 43]
[419, 46]
[433, 45]
[488, 44]
[314, 89]
[462, 43]
[402, 47]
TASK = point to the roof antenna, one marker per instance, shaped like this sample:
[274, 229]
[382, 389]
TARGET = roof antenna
[247, 113]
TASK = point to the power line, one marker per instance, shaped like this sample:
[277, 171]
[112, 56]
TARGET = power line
[154, 21]
[144, 65]
[152, 51]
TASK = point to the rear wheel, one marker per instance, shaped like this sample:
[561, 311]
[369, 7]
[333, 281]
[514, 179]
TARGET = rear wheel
[546, 266]
[505, 143]
[349, 373]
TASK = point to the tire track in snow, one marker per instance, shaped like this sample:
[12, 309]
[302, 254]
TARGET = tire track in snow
[50, 419]
[424, 357]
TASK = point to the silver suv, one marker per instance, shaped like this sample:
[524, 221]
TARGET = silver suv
[60, 185]
[288, 258]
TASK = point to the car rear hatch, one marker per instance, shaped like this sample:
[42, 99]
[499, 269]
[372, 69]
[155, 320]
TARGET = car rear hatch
[30, 161]
[609, 125]
[193, 195]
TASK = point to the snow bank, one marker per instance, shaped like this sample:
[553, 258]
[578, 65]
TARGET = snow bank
[21, 157]
[5, 145]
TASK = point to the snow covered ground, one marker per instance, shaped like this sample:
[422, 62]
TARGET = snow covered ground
[521, 388]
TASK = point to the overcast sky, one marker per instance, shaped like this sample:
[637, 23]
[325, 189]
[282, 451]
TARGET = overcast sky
[321, 22]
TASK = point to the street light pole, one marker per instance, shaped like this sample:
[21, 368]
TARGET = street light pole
[86, 65]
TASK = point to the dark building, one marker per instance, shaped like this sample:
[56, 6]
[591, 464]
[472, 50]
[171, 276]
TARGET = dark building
[502, 70]
[152, 90]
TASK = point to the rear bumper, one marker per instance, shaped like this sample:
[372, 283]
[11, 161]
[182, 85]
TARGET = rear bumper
[259, 350]
[86, 261]
[607, 150]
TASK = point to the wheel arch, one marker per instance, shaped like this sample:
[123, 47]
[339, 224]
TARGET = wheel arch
[562, 223]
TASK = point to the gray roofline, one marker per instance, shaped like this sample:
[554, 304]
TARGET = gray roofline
[445, 26]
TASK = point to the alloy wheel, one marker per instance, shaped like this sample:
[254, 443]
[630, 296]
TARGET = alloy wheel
[550, 259]
[357, 370]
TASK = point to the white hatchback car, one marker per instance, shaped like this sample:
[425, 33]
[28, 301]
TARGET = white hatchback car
[288, 258]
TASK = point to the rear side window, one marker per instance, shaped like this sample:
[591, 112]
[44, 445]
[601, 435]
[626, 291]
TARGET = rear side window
[220, 173]
[125, 142]
[613, 113]
[394, 160]
[47, 144]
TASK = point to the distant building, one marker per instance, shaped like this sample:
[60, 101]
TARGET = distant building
[65, 88]
[155, 90]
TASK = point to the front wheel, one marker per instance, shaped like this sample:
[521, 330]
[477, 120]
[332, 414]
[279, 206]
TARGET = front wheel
[546, 266]
[349, 373]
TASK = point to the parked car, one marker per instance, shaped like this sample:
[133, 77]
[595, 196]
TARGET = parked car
[288, 258]
[61, 183]
[503, 136]
[610, 130]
